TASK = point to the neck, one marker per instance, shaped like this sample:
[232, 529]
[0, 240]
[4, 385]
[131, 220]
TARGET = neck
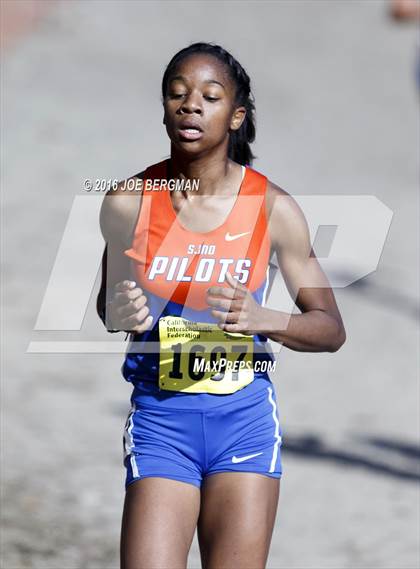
[213, 172]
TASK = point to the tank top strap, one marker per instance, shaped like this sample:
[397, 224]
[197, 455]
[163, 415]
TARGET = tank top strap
[149, 209]
[257, 183]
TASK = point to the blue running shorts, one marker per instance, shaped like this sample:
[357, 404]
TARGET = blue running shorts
[188, 436]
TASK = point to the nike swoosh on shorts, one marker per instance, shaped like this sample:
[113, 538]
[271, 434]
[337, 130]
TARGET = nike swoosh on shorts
[242, 458]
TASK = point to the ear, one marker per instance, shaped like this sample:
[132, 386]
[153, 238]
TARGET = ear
[238, 118]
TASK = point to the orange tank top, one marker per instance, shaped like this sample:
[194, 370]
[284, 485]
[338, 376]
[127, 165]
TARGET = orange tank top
[179, 265]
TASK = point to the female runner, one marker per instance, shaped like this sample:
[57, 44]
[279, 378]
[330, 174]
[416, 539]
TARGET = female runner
[186, 274]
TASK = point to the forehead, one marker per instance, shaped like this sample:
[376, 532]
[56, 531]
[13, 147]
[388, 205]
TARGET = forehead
[202, 67]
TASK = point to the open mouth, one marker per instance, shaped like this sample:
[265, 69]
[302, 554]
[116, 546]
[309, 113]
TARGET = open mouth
[190, 133]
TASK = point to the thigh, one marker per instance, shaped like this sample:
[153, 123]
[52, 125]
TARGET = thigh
[238, 511]
[159, 520]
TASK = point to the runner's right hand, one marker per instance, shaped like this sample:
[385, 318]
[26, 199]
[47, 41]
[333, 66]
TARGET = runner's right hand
[127, 310]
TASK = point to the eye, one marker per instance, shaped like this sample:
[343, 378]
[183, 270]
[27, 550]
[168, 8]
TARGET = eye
[211, 99]
[176, 95]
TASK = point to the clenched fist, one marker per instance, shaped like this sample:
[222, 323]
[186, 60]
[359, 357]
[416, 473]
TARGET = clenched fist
[127, 310]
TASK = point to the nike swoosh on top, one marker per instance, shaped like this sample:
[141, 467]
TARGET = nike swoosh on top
[230, 237]
[242, 458]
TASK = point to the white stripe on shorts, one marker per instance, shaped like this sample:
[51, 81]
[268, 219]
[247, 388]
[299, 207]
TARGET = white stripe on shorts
[128, 441]
[267, 278]
[277, 436]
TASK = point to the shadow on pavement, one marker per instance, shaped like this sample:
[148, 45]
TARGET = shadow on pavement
[389, 457]
[387, 297]
[401, 447]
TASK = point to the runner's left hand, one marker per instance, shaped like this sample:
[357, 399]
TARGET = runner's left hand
[234, 307]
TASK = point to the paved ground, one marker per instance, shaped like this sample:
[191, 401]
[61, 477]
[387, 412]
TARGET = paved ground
[337, 108]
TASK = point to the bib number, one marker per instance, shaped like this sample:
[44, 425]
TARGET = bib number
[199, 357]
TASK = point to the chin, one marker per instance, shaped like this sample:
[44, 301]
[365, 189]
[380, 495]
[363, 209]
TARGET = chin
[190, 148]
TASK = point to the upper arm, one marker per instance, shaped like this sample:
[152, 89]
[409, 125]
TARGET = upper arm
[118, 216]
[290, 238]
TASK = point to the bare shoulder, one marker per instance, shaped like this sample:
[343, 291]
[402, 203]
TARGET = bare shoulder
[286, 221]
[120, 209]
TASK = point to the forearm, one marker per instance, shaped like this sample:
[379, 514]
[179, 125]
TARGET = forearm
[312, 331]
[100, 303]
[102, 310]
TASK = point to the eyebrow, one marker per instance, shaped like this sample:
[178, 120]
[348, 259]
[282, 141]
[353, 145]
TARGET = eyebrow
[180, 77]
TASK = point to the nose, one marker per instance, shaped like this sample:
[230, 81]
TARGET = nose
[191, 104]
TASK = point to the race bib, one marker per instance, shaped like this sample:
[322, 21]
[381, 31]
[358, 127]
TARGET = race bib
[199, 357]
